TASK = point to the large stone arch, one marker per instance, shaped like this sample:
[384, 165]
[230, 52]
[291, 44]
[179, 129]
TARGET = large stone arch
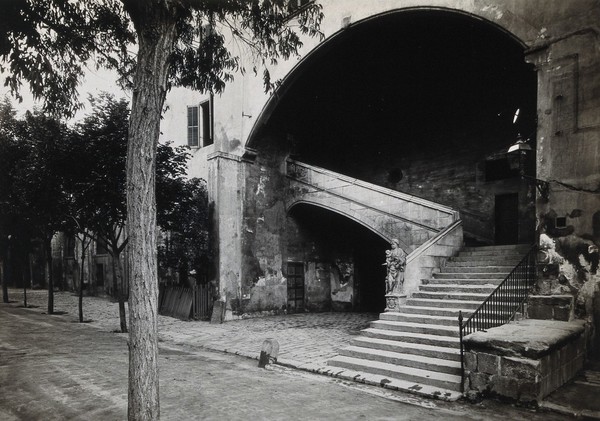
[293, 122]
[324, 204]
[496, 16]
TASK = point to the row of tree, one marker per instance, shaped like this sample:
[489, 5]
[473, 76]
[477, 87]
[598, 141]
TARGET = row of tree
[46, 45]
[56, 178]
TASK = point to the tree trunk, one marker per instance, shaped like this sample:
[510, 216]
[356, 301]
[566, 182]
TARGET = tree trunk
[6, 275]
[30, 262]
[24, 289]
[81, 281]
[117, 273]
[25, 266]
[48, 274]
[155, 24]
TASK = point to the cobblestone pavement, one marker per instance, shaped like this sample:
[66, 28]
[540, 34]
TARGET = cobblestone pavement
[54, 369]
[305, 340]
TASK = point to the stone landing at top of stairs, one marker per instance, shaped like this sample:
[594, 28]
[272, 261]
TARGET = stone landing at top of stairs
[417, 348]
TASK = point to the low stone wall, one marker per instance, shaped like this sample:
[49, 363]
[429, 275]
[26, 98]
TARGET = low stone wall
[524, 360]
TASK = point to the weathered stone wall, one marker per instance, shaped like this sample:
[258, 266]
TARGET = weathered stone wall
[226, 189]
[455, 177]
[567, 159]
[263, 283]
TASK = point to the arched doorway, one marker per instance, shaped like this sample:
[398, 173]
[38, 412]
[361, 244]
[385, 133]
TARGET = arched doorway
[341, 262]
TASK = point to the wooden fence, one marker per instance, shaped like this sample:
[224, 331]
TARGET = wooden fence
[185, 303]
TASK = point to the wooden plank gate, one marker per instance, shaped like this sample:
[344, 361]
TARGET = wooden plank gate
[185, 303]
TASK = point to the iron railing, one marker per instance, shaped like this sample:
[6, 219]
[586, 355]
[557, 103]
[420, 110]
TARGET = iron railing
[507, 300]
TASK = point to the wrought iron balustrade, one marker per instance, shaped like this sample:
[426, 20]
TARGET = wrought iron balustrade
[503, 304]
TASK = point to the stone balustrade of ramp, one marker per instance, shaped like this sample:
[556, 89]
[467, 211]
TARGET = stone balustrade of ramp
[388, 213]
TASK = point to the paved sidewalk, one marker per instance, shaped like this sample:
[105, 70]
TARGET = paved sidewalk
[53, 369]
[306, 341]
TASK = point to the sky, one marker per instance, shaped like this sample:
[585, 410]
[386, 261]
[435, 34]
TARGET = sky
[95, 82]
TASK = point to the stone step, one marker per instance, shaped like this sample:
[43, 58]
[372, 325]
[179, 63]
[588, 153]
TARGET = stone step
[491, 252]
[427, 377]
[494, 282]
[484, 289]
[433, 311]
[521, 248]
[420, 318]
[485, 260]
[478, 269]
[406, 386]
[413, 337]
[422, 362]
[452, 354]
[473, 275]
[448, 304]
[414, 327]
[458, 296]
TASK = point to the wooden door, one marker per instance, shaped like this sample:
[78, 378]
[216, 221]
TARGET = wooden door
[295, 287]
[507, 219]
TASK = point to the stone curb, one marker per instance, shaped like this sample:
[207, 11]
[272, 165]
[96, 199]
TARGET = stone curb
[565, 410]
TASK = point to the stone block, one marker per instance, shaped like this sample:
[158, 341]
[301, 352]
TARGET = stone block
[562, 313]
[579, 363]
[570, 352]
[545, 365]
[520, 368]
[555, 379]
[540, 311]
[545, 386]
[580, 345]
[554, 361]
[487, 363]
[563, 374]
[529, 391]
[471, 361]
[479, 382]
[505, 386]
[548, 307]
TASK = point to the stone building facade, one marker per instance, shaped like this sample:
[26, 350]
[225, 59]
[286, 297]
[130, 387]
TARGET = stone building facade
[397, 125]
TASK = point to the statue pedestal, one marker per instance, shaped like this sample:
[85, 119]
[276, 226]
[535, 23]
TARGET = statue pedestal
[394, 301]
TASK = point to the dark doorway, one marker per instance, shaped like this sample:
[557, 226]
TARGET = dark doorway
[295, 287]
[99, 275]
[370, 274]
[507, 218]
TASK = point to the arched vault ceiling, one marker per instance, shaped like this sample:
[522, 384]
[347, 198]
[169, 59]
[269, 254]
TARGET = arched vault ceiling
[402, 84]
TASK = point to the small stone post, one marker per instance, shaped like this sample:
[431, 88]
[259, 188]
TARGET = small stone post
[268, 352]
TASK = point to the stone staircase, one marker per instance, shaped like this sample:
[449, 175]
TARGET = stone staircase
[417, 349]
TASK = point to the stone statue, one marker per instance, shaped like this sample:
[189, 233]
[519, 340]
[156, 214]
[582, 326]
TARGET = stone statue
[395, 260]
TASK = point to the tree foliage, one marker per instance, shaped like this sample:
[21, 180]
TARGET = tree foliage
[185, 247]
[47, 44]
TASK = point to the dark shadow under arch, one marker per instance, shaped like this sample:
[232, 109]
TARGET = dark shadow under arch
[312, 60]
[324, 235]
[426, 93]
